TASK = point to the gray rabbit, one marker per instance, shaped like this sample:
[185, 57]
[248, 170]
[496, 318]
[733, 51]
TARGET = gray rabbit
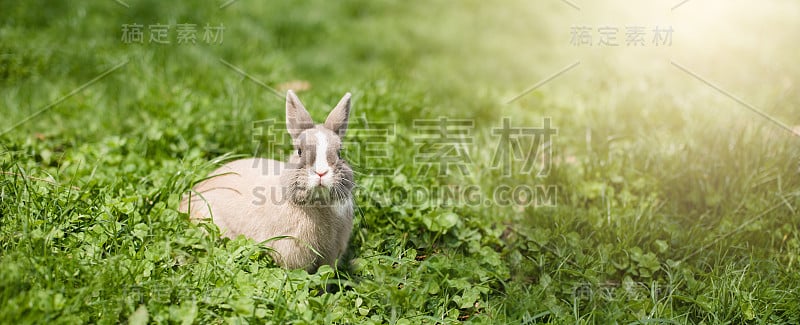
[306, 202]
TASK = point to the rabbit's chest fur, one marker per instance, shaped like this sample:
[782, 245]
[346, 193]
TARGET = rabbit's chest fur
[246, 198]
[324, 231]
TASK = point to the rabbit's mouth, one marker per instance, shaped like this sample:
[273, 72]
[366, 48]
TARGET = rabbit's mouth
[316, 196]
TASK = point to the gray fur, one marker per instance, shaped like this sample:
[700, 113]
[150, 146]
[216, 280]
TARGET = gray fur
[337, 119]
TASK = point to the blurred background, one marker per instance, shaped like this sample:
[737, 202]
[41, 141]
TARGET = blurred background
[676, 150]
[454, 54]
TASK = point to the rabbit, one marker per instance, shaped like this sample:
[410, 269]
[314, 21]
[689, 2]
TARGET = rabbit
[302, 208]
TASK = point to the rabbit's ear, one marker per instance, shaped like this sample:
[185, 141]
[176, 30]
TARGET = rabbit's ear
[297, 117]
[337, 119]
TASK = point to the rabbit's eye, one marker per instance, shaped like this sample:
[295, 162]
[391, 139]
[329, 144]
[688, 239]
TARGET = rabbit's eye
[299, 152]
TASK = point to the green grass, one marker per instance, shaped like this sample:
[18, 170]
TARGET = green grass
[674, 204]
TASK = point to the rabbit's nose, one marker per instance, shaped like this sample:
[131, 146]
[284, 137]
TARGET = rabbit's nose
[323, 173]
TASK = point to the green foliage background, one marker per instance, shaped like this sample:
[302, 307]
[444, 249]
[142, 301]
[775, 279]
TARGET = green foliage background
[674, 203]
